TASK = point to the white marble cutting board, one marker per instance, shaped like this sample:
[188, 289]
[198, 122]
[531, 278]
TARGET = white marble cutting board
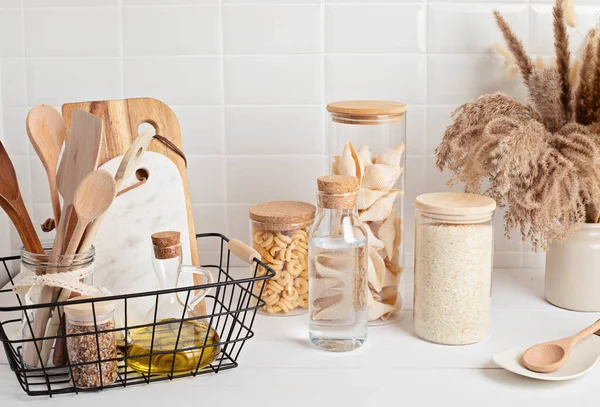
[123, 245]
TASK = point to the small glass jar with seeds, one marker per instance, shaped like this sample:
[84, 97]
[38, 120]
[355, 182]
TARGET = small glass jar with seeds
[279, 232]
[91, 342]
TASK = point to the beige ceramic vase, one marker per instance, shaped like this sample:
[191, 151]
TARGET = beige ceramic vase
[573, 271]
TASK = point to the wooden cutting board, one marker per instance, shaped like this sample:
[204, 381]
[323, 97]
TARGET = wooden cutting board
[121, 121]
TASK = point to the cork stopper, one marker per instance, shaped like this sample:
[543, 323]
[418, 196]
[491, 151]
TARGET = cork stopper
[166, 244]
[337, 191]
[283, 214]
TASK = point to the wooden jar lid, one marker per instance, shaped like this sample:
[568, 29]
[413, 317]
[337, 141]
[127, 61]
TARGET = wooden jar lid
[455, 203]
[366, 112]
[85, 311]
[283, 213]
[166, 244]
[337, 191]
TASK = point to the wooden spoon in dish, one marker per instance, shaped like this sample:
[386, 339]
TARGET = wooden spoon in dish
[46, 131]
[550, 356]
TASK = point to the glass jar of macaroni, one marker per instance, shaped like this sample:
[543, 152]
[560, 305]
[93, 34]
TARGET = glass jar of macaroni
[279, 232]
[367, 140]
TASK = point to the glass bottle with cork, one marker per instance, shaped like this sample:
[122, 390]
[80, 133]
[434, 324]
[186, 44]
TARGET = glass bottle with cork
[338, 292]
[177, 341]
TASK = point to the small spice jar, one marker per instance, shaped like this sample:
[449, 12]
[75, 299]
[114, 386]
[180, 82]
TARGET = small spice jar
[367, 140]
[279, 232]
[453, 267]
[91, 343]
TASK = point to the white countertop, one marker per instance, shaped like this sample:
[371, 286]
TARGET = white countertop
[279, 368]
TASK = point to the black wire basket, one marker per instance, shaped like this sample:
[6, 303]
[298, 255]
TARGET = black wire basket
[231, 308]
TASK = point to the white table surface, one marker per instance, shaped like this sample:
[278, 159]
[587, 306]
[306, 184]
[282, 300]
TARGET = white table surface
[279, 368]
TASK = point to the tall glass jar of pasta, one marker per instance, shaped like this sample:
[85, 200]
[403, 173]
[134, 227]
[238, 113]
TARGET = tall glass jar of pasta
[279, 232]
[367, 140]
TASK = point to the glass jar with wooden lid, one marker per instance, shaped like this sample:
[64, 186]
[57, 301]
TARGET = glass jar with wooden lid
[279, 232]
[367, 140]
[454, 246]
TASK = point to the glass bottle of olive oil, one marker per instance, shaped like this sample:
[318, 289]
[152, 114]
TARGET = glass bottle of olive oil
[170, 345]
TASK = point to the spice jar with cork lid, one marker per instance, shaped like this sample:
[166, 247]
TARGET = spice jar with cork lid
[338, 261]
[367, 140]
[91, 342]
[453, 267]
[279, 232]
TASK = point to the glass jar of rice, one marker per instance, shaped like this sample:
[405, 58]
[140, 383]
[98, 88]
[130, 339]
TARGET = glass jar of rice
[279, 232]
[453, 267]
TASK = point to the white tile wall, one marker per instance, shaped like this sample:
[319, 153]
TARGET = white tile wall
[249, 79]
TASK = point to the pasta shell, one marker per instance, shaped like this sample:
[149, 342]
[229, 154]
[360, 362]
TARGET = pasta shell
[333, 266]
[381, 209]
[380, 310]
[322, 285]
[365, 155]
[387, 234]
[389, 294]
[393, 267]
[328, 301]
[334, 165]
[366, 197]
[342, 310]
[370, 299]
[374, 242]
[391, 156]
[349, 163]
[381, 176]
[376, 270]
[390, 279]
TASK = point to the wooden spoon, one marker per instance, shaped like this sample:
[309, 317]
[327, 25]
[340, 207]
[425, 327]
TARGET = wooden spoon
[550, 356]
[46, 131]
[12, 203]
[80, 157]
[92, 198]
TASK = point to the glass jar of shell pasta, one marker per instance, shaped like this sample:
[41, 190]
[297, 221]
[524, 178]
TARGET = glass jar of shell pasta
[367, 140]
[279, 232]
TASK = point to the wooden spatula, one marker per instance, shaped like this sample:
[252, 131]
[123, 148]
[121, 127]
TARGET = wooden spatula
[13, 205]
[80, 157]
[46, 131]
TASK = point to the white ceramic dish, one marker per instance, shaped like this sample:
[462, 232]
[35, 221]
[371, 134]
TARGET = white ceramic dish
[583, 358]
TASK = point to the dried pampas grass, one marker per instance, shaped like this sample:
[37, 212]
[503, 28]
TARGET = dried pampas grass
[541, 161]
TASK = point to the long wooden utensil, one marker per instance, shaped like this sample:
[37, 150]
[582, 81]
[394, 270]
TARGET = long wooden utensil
[80, 157]
[92, 198]
[550, 356]
[46, 131]
[12, 203]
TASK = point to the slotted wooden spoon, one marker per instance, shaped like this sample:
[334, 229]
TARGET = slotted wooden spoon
[80, 157]
[46, 131]
[12, 203]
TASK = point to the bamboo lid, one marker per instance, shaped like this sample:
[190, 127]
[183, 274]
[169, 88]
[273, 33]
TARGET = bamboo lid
[366, 112]
[85, 312]
[455, 203]
[337, 191]
[283, 213]
[166, 244]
